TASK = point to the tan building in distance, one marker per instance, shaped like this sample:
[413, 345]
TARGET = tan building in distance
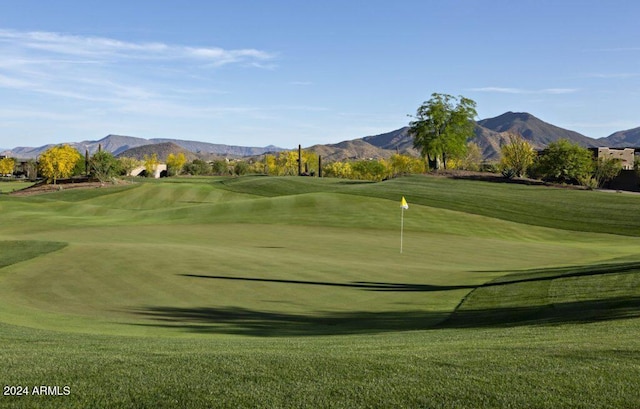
[626, 156]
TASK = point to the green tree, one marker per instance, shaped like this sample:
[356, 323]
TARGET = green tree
[240, 168]
[471, 160]
[606, 169]
[103, 166]
[175, 163]
[220, 167]
[7, 165]
[370, 170]
[30, 167]
[442, 126]
[58, 162]
[564, 162]
[517, 155]
[197, 167]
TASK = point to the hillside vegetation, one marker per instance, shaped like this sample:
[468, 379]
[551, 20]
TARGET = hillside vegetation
[292, 292]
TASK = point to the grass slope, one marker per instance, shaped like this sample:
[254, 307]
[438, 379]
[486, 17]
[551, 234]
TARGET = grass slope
[15, 251]
[13, 185]
[291, 292]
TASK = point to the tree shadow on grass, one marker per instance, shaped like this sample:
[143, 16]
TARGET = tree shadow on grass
[362, 285]
[515, 277]
[559, 313]
[543, 274]
[243, 321]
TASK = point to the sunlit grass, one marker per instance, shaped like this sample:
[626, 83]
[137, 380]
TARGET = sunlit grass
[292, 292]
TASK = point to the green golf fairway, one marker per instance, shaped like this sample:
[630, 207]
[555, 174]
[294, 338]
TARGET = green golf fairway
[275, 272]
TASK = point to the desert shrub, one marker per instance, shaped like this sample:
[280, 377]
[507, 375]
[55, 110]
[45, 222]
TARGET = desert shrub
[240, 168]
[370, 170]
[606, 169]
[517, 155]
[589, 182]
[220, 167]
[564, 162]
[491, 167]
[509, 173]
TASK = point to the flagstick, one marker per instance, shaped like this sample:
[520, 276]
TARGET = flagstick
[401, 227]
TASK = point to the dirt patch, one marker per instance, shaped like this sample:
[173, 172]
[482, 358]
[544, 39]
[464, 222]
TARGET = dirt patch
[497, 178]
[41, 188]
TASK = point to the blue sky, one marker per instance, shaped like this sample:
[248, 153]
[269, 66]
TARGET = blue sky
[257, 73]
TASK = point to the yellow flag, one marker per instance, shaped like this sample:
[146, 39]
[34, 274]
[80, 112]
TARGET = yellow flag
[404, 204]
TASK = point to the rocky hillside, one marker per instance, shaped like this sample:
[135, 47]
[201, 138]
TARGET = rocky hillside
[490, 134]
[356, 149]
[117, 144]
[161, 149]
[623, 139]
[534, 130]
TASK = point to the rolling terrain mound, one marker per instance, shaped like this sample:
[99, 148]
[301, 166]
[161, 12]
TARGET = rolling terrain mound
[302, 254]
[292, 292]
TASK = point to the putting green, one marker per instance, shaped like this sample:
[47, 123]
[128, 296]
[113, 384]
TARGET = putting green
[189, 258]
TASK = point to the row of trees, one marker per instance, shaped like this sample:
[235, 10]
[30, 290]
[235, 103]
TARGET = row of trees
[562, 162]
[443, 125]
[441, 129]
[286, 164]
[64, 161]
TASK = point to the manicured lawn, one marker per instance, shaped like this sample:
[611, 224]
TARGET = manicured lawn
[10, 186]
[292, 292]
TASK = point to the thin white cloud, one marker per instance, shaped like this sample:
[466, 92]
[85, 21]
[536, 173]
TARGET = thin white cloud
[616, 49]
[111, 72]
[10, 82]
[503, 90]
[100, 48]
[621, 125]
[614, 75]
[556, 91]
[27, 113]
[500, 90]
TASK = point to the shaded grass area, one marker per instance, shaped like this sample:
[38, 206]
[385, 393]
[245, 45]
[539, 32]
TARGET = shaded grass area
[557, 295]
[582, 294]
[15, 251]
[248, 322]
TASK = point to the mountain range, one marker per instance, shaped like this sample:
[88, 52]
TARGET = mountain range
[490, 134]
[119, 144]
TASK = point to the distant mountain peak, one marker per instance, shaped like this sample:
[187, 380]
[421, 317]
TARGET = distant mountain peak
[117, 144]
[623, 139]
[536, 131]
[490, 135]
[518, 115]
